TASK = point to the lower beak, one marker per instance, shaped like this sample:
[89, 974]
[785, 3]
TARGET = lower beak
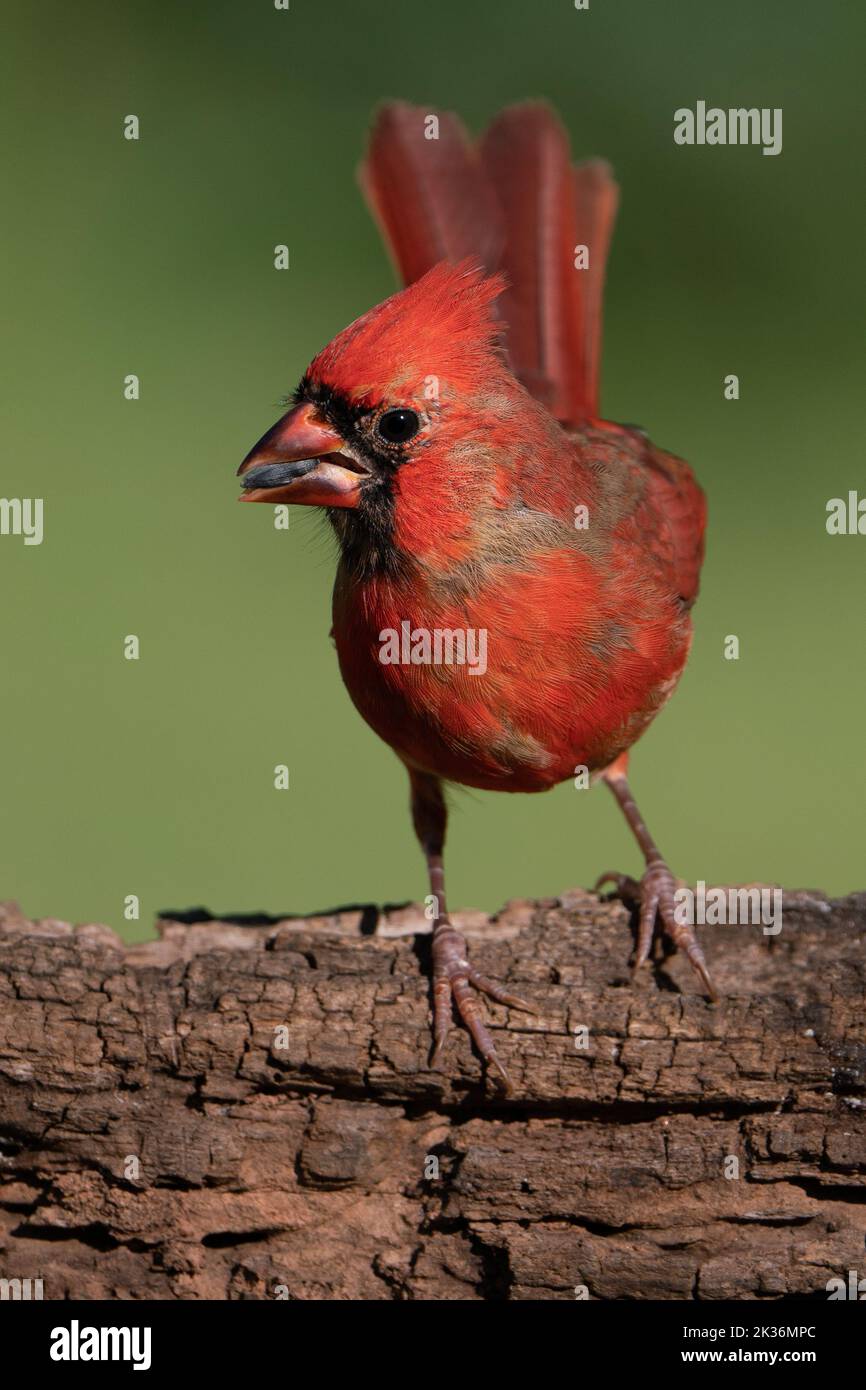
[300, 459]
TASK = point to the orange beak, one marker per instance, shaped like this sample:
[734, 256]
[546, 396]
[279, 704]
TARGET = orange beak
[301, 459]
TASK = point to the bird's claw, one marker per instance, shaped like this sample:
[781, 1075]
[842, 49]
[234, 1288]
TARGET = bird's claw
[624, 886]
[653, 896]
[454, 979]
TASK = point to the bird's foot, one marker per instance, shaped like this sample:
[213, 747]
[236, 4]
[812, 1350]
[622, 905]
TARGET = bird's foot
[454, 978]
[654, 897]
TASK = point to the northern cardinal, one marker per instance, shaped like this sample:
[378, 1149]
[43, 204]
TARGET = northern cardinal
[452, 434]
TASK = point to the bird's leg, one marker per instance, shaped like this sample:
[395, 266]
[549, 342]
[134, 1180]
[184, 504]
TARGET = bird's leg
[453, 976]
[655, 893]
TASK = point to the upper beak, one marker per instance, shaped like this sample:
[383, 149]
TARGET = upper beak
[300, 459]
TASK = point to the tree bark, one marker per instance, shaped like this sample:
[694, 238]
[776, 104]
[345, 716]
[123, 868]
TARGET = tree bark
[244, 1110]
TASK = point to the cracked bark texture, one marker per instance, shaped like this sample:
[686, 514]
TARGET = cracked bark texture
[245, 1110]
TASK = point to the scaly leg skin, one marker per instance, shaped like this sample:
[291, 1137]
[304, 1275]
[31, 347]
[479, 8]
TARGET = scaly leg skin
[654, 895]
[453, 976]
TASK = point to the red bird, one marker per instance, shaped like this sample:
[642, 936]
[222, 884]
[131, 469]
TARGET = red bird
[515, 577]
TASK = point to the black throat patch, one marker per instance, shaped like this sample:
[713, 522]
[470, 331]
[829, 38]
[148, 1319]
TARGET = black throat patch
[365, 532]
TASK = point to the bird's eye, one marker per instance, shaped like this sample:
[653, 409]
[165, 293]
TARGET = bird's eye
[396, 426]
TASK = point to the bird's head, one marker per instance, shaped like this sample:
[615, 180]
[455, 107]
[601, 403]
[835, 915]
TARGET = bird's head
[394, 425]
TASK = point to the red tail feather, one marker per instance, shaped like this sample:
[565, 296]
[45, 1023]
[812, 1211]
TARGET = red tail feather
[515, 204]
[525, 153]
[429, 194]
[596, 202]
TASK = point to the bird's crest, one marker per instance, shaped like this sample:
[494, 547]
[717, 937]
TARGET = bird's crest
[442, 326]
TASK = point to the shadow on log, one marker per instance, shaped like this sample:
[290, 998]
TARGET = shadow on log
[246, 1111]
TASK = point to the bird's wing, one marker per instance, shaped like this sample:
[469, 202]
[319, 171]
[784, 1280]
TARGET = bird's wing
[670, 520]
[686, 509]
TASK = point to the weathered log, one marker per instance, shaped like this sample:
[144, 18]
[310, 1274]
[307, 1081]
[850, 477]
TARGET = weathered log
[245, 1110]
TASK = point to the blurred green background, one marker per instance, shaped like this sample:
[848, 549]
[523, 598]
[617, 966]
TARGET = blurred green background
[156, 258]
